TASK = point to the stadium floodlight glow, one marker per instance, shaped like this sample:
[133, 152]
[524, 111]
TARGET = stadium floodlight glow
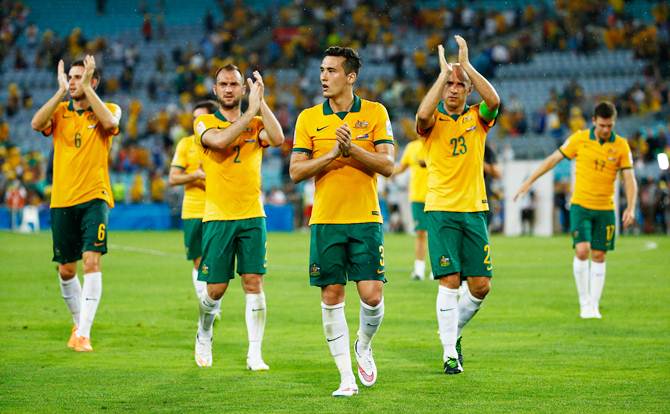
[663, 162]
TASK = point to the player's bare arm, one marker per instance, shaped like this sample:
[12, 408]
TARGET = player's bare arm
[548, 163]
[425, 118]
[222, 138]
[42, 118]
[481, 85]
[272, 132]
[493, 170]
[107, 118]
[379, 161]
[178, 176]
[303, 166]
[630, 188]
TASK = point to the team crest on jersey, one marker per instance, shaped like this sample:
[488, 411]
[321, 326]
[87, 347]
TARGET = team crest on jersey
[467, 118]
[314, 270]
[361, 124]
[444, 261]
[92, 118]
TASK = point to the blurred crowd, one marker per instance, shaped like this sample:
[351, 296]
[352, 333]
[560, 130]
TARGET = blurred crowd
[282, 41]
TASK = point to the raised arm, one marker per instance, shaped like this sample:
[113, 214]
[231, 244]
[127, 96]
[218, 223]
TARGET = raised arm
[222, 138]
[425, 118]
[42, 118]
[272, 132]
[481, 85]
[548, 163]
[108, 120]
[630, 187]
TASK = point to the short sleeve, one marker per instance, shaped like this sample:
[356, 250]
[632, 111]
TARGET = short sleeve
[200, 126]
[383, 130]
[52, 125]
[425, 132]
[626, 156]
[179, 160]
[116, 112]
[570, 146]
[302, 141]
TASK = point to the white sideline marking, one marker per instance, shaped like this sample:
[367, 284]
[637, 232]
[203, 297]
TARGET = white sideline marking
[142, 250]
[650, 246]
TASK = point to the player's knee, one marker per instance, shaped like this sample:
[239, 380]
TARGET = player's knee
[480, 288]
[216, 290]
[582, 253]
[372, 299]
[597, 256]
[252, 283]
[91, 262]
[67, 271]
[332, 294]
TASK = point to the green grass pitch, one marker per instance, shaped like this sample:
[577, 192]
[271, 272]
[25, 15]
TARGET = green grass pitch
[526, 350]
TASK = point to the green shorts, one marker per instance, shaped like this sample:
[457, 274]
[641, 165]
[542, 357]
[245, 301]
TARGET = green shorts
[419, 215]
[77, 229]
[594, 226]
[193, 238]
[341, 252]
[225, 241]
[459, 242]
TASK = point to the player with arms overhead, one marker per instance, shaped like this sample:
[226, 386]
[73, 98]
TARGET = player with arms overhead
[456, 204]
[234, 220]
[82, 130]
[344, 143]
[600, 154]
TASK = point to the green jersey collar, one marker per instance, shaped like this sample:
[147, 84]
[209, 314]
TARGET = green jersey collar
[592, 135]
[356, 107]
[219, 115]
[442, 109]
[70, 107]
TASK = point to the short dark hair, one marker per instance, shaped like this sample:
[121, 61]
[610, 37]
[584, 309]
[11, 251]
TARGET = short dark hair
[209, 105]
[604, 109]
[352, 62]
[80, 62]
[228, 68]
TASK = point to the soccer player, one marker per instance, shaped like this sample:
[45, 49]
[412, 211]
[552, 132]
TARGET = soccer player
[599, 153]
[414, 158]
[186, 170]
[234, 220]
[82, 130]
[456, 204]
[344, 143]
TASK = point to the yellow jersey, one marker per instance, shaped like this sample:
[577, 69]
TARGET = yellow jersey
[455, 148]
[188, 156]
[345, 191]
[81, 155]
[414, 157]
[597, 164]
[233, 175]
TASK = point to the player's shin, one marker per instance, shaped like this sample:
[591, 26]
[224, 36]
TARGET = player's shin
[255, 314]
[90, 298]
[370, 319]
[580, 270]
[208, 308]
[447, 320]
[71, 291]
[597, 282]
[337, 335]
[198, 285]
[468, 306]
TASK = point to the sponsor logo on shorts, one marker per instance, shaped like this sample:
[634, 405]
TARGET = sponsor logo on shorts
[444, 261]
[98, 244]
[205, 270]
[314, 270]
[380, 271]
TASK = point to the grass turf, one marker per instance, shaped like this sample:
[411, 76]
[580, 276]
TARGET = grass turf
[526, 351]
